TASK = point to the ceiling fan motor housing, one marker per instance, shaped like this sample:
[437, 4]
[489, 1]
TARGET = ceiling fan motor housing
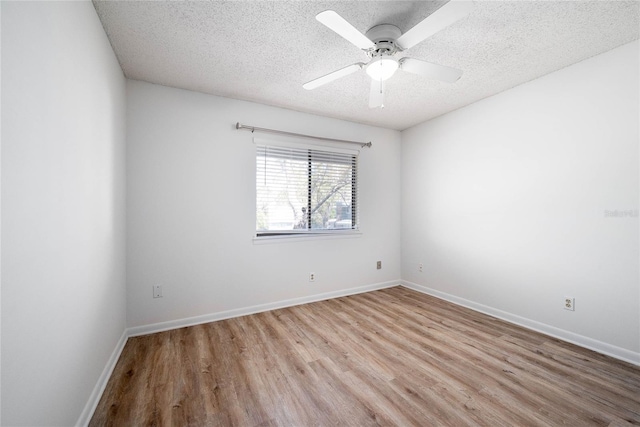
[384, 36]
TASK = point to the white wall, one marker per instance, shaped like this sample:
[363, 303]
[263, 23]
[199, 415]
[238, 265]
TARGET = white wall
[504, 202]
[63, 245]
[191, 209]
[0, 220]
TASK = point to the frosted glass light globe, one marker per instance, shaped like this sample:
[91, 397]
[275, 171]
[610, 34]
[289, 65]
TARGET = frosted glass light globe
[382, 67]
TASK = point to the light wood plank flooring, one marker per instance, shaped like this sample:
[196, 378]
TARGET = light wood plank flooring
[390, 357]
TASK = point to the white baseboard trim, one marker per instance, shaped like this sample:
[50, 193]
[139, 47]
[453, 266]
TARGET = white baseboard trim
[206, 318]
[580, 340]
[96, 394]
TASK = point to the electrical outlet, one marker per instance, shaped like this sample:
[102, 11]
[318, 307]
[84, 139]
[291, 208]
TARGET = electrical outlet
[570, 303]
[157, 291]
[379, 265]
[312, 277]
[420, 267]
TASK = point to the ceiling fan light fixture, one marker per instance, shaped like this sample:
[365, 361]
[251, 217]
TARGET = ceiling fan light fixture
[382, 67]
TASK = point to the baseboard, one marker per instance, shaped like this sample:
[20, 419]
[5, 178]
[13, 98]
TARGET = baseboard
[96, 394]
[197, 320]
[580, 340]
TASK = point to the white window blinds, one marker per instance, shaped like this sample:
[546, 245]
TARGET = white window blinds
[301, 190]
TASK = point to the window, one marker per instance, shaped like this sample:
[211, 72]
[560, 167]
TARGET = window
[302, 190]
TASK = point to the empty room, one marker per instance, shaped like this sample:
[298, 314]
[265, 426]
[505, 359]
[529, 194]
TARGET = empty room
[311, 213]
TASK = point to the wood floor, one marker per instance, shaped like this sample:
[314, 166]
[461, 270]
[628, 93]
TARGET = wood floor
[390, 357]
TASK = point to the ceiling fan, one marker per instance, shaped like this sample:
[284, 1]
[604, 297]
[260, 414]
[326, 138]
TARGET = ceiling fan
[382, 42]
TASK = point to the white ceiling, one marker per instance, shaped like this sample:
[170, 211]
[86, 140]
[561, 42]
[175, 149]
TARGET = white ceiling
[264, 51]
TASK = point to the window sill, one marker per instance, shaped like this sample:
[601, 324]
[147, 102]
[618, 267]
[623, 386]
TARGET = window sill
[262, 240]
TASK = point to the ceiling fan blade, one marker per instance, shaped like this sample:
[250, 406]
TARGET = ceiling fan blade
[350, 69]
[376, 96]
[438, 20]
[430, 70]
[338, 24]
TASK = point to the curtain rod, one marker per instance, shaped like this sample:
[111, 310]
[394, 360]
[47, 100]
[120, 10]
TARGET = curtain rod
[282, 132]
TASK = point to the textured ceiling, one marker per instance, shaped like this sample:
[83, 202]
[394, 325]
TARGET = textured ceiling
[264, 51]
